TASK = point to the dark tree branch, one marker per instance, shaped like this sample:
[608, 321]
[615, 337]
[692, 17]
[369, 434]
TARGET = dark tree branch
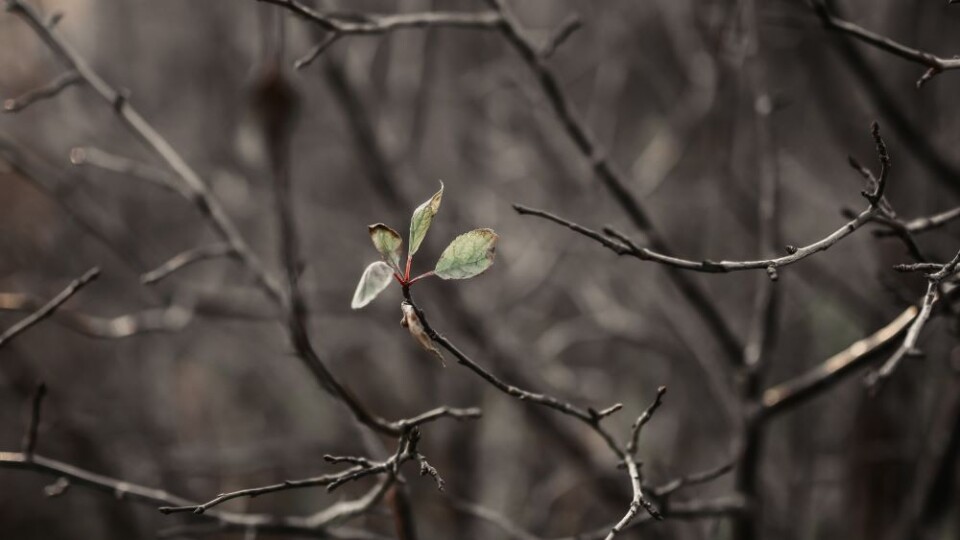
[588, 416]
[686, 510]
[909, 345]
[709, 475]
[788, 394]
[612, 178]
[30, 437]
[621, 244]
[47, 309]
[122, 490]
[362, 468]
[935, 64]
[566, 29]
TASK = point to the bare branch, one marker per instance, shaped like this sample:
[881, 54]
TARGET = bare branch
[566, 29]
[623, 245]
[96, 157]
[697, 509]
[51, 306]
[643, 419]
[49, 90]
[935, 221]
[316, 51]
[909, 345]
[186, 258]
[590, 417]
[143, 495]
[169, 319]
[356, 23]
[677, 484]
[788, 394]
[612, 179]
[934, 64]
[200, 194]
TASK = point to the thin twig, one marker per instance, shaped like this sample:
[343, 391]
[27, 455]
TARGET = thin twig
[200, 194]
[316, 51]
[33, 426]
[588, 416]
[612, 179]
[51, 306]
[95, 157]
[643, 419]
[186, 258]
[369, 23]
[128, 491]
[570, 24]
[709, 475]
[935, 64]
[51, 89]
[790, 393]
[909, 345]
[621, 244]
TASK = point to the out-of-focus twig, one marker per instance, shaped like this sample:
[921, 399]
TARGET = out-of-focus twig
[612, 178]
[33, 426]
[47, 309]
[621, 244]
[95, 157]
[590, 417]
[368, 23]
[168, 319]
[185, 258]
[200, 194]
[49, 90]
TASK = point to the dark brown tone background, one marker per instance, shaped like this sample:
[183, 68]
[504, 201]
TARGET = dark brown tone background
[222, 404]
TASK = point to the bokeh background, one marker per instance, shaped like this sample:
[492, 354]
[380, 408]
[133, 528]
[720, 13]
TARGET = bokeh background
[216, 400]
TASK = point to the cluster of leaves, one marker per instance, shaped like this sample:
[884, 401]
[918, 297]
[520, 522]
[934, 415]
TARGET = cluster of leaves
[468, 255]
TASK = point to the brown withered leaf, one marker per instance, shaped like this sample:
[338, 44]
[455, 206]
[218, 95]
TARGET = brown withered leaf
[411, 322]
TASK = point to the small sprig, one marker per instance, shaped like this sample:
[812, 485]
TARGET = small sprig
[468, 255]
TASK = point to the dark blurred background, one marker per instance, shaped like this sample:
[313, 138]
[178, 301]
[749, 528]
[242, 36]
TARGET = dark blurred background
[216, 401]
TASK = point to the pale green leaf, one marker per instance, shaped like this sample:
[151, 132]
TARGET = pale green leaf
[468, 255]
[388, 242]
[420, 221]
[373, 281]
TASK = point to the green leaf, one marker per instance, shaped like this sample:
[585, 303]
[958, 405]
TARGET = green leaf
[373, 281]
[468, 255]
[388, 242]
[420, 221]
